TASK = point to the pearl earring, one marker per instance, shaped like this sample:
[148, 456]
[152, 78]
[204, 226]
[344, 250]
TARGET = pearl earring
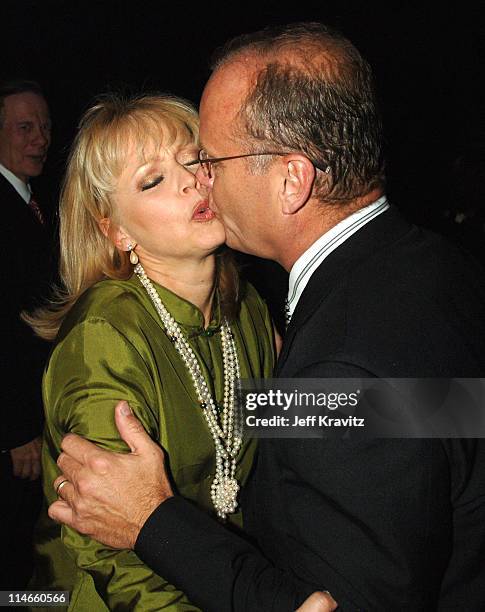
[133, 255]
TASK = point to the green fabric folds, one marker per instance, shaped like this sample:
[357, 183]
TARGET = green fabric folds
[112, 346]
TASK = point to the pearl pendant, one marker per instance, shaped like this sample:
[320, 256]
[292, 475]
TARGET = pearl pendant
[227, 441]
[225, 494]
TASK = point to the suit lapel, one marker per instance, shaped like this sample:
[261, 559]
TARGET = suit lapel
[16, 211]
[374, 236]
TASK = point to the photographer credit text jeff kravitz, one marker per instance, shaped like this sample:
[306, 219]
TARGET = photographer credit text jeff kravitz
[285, 401]
[367, 407]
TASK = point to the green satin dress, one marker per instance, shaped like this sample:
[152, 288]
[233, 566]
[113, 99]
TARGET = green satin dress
[112, 346]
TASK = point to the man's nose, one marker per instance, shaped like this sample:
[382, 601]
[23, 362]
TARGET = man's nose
[42, 136]
[202, 178]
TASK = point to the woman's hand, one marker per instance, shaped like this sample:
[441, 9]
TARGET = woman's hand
[26, 459]
[321, 601]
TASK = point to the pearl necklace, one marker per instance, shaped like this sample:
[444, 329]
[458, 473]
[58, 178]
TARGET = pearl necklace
[227, 433]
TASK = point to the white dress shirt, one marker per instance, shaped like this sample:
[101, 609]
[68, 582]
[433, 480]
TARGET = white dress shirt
[23, 189]
[309, 261]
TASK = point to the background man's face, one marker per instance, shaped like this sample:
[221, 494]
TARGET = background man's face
[24, 134]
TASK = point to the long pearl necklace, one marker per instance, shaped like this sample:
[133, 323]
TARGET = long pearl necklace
[227, 433]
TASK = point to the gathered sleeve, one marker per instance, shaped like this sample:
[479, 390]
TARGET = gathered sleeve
[93, 367]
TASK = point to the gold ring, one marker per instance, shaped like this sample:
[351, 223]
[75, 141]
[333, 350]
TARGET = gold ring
[60, 485]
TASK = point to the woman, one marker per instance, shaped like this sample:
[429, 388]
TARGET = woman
[152, 313]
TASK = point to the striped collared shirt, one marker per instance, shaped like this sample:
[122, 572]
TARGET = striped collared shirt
[307, 263]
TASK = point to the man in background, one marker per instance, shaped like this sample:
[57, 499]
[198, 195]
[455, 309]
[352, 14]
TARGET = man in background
[24, 141]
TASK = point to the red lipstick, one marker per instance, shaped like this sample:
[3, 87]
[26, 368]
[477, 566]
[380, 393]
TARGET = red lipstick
[202, 212]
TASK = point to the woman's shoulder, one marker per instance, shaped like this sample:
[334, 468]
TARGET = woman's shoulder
[249, 296]
[253, 308]
[113, 302]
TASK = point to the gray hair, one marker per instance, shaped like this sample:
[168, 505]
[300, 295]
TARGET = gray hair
[315, 94]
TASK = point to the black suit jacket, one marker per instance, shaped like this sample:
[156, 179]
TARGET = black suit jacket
[25, 275]
[383, 524]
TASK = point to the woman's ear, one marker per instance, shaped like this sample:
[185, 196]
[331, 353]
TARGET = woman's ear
[114, 233]
[104, 226]
[296, 188]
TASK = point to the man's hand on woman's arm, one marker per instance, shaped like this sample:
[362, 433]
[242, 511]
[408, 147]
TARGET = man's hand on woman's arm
[109, 496]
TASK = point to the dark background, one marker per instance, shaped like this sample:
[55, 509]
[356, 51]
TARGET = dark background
[427, 59]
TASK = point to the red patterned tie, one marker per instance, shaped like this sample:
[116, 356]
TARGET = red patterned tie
[36, 210]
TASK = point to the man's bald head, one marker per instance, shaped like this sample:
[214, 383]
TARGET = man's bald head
[310, 90]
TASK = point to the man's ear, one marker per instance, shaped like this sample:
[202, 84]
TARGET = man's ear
[297, 184]
[114, 233]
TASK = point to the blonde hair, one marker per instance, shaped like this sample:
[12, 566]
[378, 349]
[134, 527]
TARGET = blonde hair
[96, 160]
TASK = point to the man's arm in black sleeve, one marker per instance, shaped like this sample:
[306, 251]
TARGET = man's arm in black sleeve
[216, 568]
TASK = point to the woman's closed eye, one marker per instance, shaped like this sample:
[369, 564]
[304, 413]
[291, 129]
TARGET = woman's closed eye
[153, 183]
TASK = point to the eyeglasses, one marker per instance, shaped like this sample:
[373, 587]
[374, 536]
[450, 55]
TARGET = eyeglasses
[206, 162]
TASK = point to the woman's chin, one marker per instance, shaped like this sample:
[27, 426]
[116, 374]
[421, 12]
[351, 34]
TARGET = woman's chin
[212, 232]
[214, 245]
